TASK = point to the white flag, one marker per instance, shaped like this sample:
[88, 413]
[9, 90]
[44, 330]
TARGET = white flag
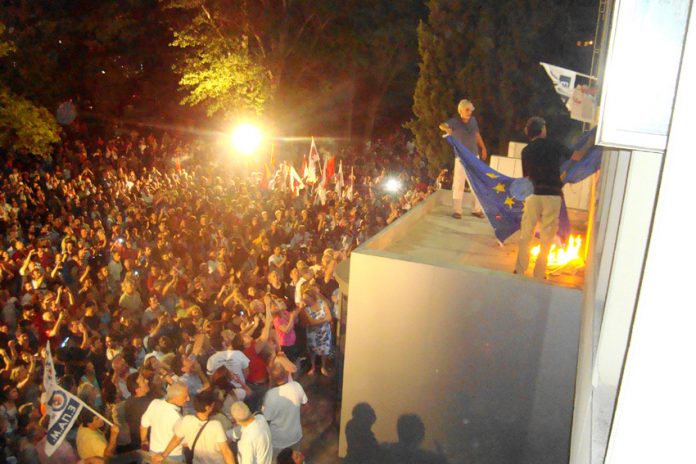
[296, 183]
[349, 190]
[339, 180]
[63, 408]
[311, 176]
[563, 80]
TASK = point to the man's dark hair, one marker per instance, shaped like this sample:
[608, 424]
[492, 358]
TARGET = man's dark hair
[203, 399]
[86, 417]
[132, 383]
[285, 456]
[534, 126]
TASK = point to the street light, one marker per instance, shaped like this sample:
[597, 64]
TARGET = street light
[392, 185]
[246, 138]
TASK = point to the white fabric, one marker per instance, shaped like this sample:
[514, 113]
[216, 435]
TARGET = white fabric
[281, 408]
[458, 184]
[208, 445]
[234, 361]
[298, 291]
[254, 446]
[161, 417]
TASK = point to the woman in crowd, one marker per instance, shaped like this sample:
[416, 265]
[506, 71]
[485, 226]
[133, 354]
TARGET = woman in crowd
[316, 317]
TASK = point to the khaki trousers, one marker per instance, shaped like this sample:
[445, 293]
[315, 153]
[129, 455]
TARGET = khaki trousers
[542, 209]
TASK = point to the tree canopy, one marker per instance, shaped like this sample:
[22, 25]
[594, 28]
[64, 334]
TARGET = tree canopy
[489, 53]
[24, 126]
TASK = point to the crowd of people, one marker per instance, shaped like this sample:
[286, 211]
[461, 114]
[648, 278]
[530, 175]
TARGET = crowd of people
[181, 300]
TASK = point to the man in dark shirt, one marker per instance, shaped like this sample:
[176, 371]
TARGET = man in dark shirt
[541, 163]
[135, 406]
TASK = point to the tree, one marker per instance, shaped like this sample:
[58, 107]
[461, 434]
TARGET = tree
[444, 43]
[220, 74]
[489, 53]
[383, 49]
[238, 55]
[104, 55]
[24, 126]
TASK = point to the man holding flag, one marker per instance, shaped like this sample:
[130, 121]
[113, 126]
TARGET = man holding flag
[465, 129]
[541, 163]
[63, 408]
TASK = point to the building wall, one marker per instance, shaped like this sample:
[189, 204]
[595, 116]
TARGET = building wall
[485, 359]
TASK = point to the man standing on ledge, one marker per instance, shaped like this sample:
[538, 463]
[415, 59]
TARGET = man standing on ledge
[465, 129]
[541, 163]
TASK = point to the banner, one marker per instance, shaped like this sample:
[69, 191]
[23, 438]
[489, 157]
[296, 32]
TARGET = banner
[62, 407]
[563, 80]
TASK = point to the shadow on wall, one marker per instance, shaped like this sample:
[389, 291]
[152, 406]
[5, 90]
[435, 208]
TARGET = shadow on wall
[363, 447]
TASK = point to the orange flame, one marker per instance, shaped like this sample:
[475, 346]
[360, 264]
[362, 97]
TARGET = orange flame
[567, 258]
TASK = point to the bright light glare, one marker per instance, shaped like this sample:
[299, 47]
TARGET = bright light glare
[392, 185]
[246, 138]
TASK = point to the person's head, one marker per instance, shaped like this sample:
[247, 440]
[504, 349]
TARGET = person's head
[128, 287]
[290, 456]
[278, 374]
[10, 393]
[137, 385]
[204, 401]
[112, 342]
[177, 394]
[90, 420]
[465, 108]
[165, 344]
[88, 393]
[535, 128]
[240, 413]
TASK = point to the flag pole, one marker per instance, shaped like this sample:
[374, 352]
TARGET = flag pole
[86, 406]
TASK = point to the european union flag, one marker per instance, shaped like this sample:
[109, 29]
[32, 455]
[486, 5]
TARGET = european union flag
[493, 189]
[574, 172]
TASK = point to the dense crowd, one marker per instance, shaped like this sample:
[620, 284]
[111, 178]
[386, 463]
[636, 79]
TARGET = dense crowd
[172, 291]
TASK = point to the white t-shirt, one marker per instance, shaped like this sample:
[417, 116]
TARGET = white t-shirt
[254, 447]
[281, 407]
[161, 417]
[208, 445]
[234, 361]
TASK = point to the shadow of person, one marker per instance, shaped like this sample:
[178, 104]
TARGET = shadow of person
[362, 444]
[411, 432]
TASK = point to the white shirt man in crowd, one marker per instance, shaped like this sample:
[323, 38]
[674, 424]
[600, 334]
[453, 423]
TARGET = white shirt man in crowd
[233, 359]
[253, 434]
[206, 438]
[160, 418]
[281, 407]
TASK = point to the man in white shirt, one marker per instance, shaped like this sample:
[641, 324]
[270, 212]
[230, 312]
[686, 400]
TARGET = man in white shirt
[207, 435]
[281, 408]
[160, 418]
[253, 435]
[233, 359]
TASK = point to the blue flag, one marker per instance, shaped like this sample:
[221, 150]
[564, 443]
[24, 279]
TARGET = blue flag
[574, 172]
[494, 190]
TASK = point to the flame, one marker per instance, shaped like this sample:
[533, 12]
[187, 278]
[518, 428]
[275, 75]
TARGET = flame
[567, 258]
